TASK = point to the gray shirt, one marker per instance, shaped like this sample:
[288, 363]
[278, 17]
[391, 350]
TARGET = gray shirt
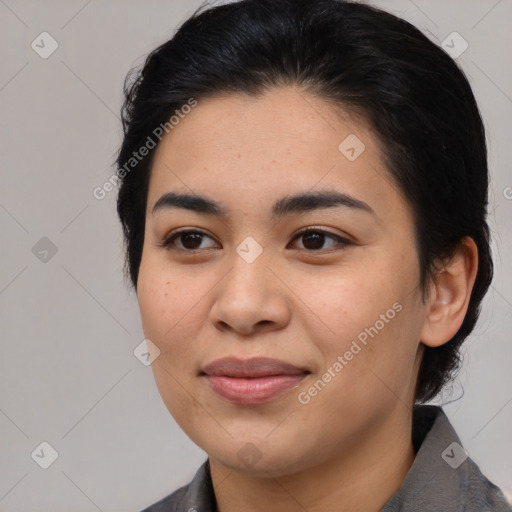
[442, 478]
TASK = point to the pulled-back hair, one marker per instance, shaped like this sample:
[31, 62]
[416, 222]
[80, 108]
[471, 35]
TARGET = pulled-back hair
[415, 97]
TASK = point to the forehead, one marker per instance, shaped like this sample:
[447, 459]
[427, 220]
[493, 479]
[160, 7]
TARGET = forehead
[253, 150]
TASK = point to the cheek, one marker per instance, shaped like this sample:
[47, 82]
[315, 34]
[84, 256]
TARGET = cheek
[168, 302]
[170, 319]
[154, 304]
[348, 300]
[371, 320]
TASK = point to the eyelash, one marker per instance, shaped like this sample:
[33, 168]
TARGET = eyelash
[167, 243]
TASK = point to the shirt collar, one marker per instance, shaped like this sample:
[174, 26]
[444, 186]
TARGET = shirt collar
[433, 482]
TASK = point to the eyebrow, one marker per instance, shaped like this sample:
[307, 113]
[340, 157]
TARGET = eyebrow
[292, 204]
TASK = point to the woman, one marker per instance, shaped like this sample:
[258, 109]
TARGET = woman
[303, 198]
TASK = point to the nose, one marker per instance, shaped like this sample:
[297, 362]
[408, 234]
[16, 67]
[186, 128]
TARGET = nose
[250, 299]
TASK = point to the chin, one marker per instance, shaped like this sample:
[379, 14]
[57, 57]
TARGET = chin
[266, 458]
[252, 461]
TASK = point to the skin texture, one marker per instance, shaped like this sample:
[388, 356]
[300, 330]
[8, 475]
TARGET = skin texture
[301, 305]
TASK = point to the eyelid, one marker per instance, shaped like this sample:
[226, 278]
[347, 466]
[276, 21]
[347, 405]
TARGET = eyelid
[320, 229]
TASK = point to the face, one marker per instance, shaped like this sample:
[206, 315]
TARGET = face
[337, 306]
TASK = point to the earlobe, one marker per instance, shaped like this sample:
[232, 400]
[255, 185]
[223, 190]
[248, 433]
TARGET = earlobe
[450, 294]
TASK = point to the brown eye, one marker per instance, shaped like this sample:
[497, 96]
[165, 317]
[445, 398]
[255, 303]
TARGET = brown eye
[314, 239]
[185, 241]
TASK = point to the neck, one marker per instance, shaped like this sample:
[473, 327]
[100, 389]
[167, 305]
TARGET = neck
[361, 477]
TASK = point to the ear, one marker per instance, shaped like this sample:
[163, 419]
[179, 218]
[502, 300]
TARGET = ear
[449, 295]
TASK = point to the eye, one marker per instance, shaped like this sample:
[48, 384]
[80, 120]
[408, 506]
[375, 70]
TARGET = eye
[314, 239]
[190, 240]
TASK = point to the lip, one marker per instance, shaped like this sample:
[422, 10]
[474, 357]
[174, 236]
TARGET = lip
[252, 381]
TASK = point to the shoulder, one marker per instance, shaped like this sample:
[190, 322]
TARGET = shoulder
[196, 495]
[171, 503]
[443, 476]
[480, 493]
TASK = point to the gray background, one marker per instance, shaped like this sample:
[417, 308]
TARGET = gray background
[70, 324]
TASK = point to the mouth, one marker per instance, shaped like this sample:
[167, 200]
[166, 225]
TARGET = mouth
[252, 381]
